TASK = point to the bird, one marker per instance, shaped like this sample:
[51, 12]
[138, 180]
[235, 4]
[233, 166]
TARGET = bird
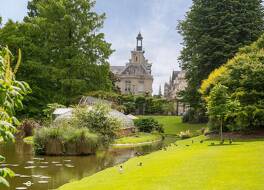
[201, 141]
[222, 142]
[138, 154]
[230, 141]
[187, 145]
[192, 141]
[140, 164]
[121, 170]
[212, 144]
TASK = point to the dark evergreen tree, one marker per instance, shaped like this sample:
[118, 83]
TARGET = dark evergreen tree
[213, 31]
[64, 53]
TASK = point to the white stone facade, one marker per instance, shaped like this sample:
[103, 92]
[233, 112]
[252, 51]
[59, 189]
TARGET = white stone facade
[135, 77]
[176, 84]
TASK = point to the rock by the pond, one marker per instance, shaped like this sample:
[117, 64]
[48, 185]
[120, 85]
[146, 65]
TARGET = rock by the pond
[58, 164]
[44, 162]
[30, 162]
[29, 167]
[67, 160]
[43, 166]
[55, 162]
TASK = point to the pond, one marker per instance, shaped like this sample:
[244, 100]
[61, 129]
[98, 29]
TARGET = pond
[45, 172]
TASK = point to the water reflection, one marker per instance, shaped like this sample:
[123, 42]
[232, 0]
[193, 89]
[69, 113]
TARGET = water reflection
[46, 172]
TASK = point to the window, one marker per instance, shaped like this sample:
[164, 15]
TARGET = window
[128, 86]
[141, 87]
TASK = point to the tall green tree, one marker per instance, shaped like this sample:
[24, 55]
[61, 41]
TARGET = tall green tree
[213, 31]
[64, 53]
[243, 75]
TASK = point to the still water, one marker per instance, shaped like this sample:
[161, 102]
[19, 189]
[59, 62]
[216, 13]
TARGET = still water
[45, 172]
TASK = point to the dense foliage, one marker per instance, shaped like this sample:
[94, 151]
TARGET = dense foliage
[148, 125]
[98, 120]
[65, 140]
[84, 132]
[243, 77]
[64, 54]
[130, 104]
[219, 105]
[12, 92]
[213, 31]
[27, 127]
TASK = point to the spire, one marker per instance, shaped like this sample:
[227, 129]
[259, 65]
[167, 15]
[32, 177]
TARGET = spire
[160, 93]
[139, 42]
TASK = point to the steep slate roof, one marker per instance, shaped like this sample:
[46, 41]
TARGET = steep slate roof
[117, 69]
[136, 69]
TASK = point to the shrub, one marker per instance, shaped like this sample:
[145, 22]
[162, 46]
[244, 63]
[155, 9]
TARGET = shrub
[65, 140]
[185, 134]
[194, 116]
[98, 120]
[27, 127]
[149, 125]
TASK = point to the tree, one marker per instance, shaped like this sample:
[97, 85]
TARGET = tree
[219, 105]
[12, 93]
[243, 75]
[213, 31]
[65, 55]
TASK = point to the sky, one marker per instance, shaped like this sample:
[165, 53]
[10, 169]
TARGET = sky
[155, 19]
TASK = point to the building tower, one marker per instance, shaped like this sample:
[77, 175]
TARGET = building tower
[135, 77]
[139, 42]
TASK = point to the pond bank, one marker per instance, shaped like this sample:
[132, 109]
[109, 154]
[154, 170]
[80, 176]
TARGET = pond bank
[178, 165]
[55, 171]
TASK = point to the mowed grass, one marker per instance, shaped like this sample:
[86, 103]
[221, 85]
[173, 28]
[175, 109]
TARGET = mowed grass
[138, 138]
[199, 166]
[173, 124]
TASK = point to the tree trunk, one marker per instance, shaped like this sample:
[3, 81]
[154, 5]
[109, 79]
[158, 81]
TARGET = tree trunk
[221, 130]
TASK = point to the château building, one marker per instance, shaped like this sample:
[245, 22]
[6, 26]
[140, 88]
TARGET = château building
[135, 77]
[176, 84]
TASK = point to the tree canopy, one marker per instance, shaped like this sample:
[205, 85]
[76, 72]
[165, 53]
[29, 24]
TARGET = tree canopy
[213, 31]
[64, 53]
[243, 75]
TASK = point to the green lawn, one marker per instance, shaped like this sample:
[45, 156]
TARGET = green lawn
[200, 166]
[173, 124]
[139, 138]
